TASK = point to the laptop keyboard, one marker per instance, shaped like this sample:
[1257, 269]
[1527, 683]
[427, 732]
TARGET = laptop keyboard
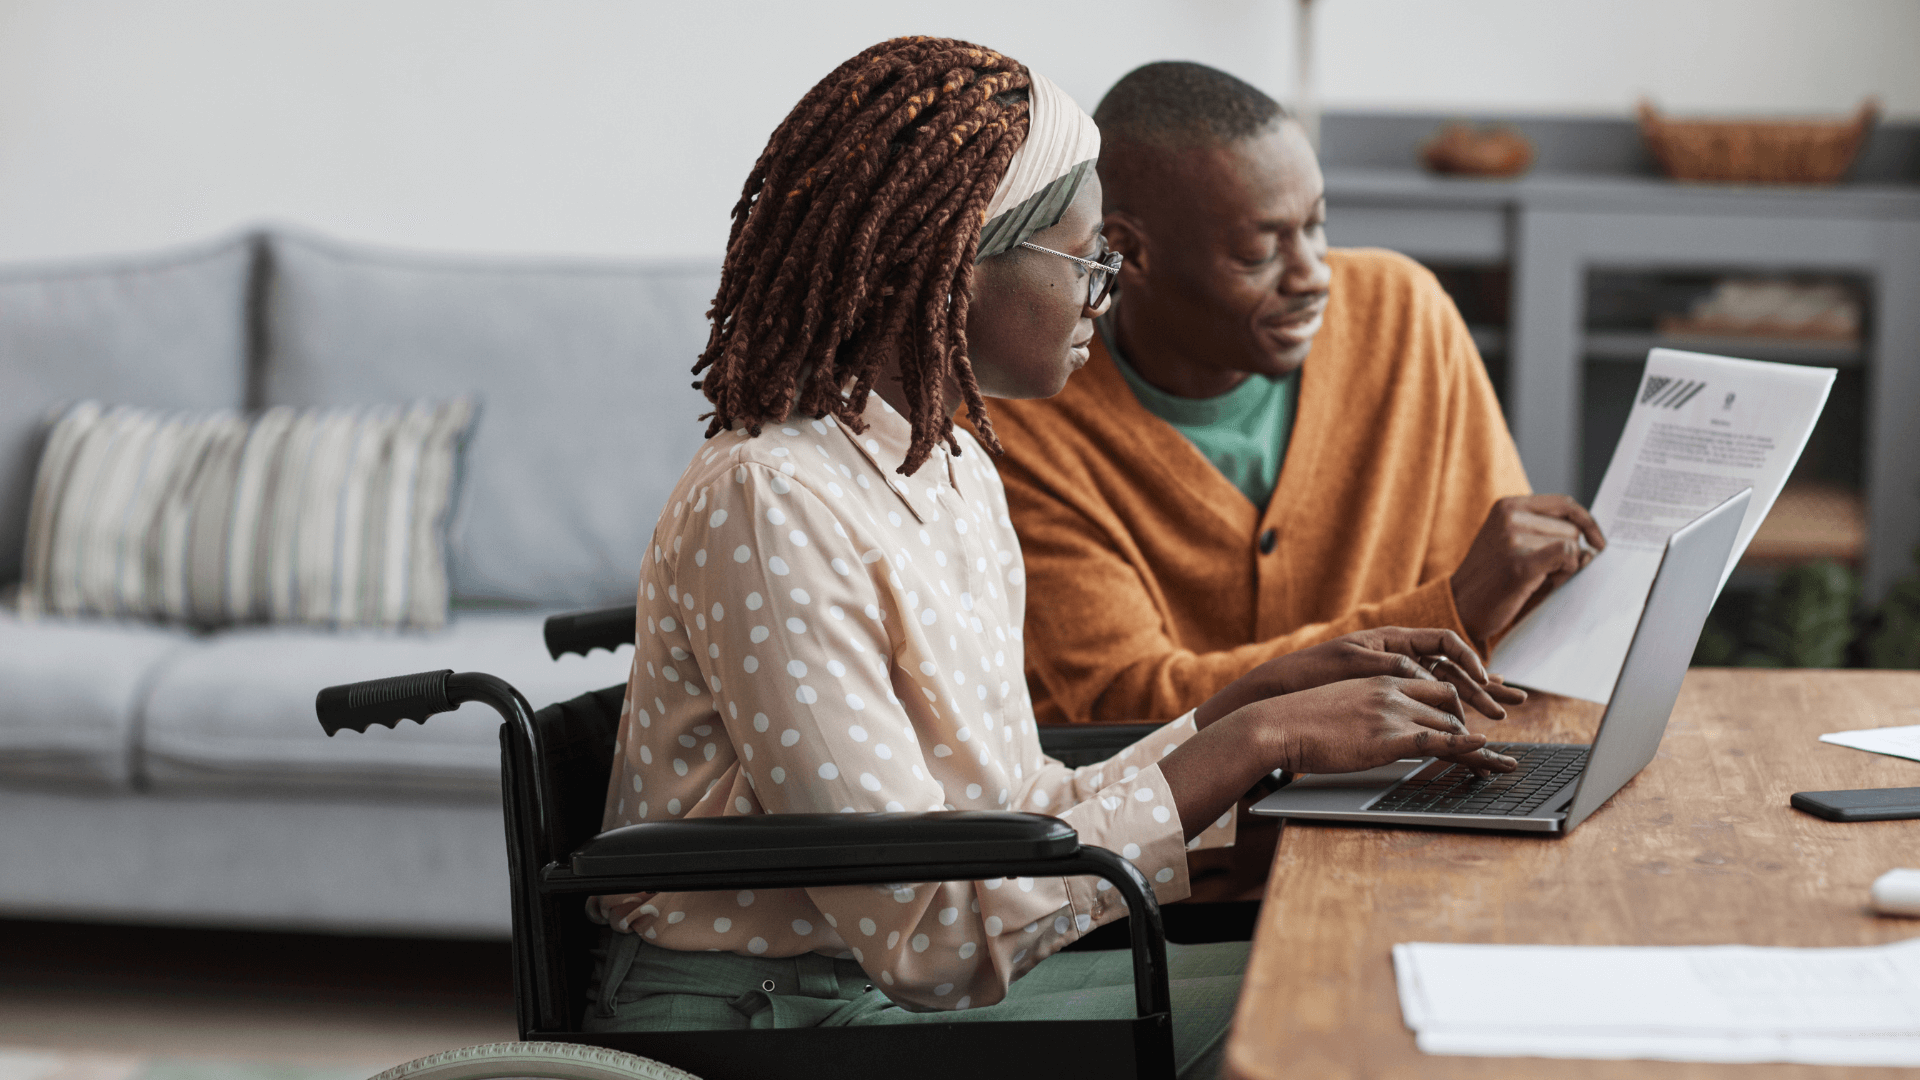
[1544, 769]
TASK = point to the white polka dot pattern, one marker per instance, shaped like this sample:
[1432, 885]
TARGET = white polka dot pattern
[882, 633]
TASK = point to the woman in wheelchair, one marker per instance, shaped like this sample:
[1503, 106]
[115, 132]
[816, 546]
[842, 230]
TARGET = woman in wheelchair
[830, 607]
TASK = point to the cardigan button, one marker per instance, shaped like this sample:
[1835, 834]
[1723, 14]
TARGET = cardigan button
[1267, 540]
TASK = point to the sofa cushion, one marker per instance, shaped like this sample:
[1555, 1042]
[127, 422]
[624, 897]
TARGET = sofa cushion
[583, 373]
[270, 861]
[168, 331]
[73, 689]
[238, 712]
[327, 516]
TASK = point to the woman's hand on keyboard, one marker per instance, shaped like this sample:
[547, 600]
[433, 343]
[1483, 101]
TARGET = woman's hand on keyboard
[1363, 723]
[1341, 727]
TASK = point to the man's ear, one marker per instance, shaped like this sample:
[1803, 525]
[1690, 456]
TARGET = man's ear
[1125, 235]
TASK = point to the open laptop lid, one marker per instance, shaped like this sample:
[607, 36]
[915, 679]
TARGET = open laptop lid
[1643, 696]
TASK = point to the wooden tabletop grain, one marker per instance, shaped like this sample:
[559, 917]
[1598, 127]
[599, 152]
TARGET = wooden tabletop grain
[1701, 848]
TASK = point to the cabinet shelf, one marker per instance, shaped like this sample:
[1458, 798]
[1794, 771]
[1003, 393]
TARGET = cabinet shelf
[1489, 339]
[1810, 520]
[1630, 346]
[1564, 277]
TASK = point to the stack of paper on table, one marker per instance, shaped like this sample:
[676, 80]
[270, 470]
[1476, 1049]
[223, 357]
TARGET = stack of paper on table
[1725, 1003]
[1891, 741]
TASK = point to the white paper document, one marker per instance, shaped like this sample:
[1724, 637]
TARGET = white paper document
[1730, 1003]
[1702, 428]
[1892, 741]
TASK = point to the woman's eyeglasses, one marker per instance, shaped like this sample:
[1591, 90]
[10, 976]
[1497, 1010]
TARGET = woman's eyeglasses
[1101, 272]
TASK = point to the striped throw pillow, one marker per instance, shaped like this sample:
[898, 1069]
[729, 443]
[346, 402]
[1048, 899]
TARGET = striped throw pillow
[324, 516]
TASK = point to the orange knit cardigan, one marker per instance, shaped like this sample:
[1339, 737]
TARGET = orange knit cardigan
[1150, 588]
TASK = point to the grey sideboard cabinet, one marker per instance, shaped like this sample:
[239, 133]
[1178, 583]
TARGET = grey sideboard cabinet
[1551, 232]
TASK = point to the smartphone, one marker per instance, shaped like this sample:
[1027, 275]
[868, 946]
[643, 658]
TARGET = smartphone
[1867, 804]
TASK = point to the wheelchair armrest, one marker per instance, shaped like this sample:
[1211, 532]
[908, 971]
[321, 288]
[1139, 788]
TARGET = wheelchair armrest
[769, 851]
[584, 631]
[823, 842]
[1084, 744]
[803, 850]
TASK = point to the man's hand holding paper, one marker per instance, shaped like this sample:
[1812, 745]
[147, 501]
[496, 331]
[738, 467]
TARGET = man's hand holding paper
[1702, 429]
[1529, 545]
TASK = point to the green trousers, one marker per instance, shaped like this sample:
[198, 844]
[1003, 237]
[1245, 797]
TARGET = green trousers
[641, 987]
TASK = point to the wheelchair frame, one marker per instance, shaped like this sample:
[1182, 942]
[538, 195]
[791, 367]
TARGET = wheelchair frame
[552, 869]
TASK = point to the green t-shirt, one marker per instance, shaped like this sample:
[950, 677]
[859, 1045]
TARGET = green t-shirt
[1243, 432]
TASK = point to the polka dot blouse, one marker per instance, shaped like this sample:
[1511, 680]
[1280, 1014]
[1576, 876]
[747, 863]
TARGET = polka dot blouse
[817, 633]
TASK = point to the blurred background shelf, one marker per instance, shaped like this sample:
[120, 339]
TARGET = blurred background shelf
[1489, 339]
[1631, 346]
[1811, 520]
[1569, 275]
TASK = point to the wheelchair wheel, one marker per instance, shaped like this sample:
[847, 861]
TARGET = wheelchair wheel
[534, 1061]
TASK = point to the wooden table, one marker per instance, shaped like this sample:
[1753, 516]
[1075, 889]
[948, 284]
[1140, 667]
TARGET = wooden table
[1701, 848]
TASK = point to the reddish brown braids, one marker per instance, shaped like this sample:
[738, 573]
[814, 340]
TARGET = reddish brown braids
[857, 229]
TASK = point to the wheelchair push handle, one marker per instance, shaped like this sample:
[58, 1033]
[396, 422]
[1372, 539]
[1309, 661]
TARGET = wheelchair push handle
[359, 706]
[584, 631]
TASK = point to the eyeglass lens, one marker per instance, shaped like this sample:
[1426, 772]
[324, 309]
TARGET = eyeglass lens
[1100, 282]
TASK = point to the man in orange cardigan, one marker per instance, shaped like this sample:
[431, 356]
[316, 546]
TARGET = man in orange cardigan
[1272, 444]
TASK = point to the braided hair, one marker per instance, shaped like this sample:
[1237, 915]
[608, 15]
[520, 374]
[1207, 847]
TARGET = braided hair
[857, 230]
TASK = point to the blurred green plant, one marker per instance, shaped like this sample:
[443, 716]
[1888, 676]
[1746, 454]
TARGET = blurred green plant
[1724, 637]
[1895, 640]
[1718, 645]
[1807, 620]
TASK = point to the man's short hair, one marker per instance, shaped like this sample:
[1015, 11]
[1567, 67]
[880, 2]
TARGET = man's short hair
[1174, 103]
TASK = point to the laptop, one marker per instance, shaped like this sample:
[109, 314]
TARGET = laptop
[1557, 786]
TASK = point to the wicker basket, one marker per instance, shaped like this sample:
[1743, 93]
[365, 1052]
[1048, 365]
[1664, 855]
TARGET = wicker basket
[1466, 151]
[1749, 151]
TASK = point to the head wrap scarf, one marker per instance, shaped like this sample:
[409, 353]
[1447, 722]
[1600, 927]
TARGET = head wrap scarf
[1045, 173]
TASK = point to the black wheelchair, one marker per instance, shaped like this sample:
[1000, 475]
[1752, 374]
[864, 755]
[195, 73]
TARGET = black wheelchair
[554, 769]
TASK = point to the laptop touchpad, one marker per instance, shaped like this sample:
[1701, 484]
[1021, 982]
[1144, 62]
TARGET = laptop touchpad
[1345, 791]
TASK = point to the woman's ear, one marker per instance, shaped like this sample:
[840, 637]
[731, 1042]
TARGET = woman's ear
[1124, 235]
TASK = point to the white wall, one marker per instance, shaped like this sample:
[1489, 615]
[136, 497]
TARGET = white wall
[623, 128]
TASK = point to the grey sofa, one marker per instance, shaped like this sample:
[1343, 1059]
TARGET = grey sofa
[152, 773]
